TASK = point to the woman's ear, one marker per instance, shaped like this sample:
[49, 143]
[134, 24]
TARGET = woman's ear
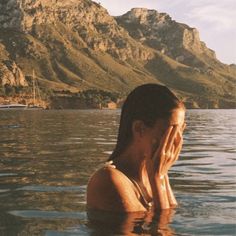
[138, 128]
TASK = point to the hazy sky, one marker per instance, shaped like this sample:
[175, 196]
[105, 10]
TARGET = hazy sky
[214, 19]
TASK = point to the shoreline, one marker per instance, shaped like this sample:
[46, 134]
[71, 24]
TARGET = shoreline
[75, 103]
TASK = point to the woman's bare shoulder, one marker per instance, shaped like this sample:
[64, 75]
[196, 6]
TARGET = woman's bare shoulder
[111, 174]
[110, 189]
[108, 178]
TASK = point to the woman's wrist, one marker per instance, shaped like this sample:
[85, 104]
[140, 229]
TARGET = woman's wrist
[160, 177]
[159, 191]
[170, 194]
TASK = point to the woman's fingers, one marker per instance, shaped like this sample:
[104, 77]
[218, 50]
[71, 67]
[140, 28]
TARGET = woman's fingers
[168, 151]
[163, 142]
[158, 157]
[174, 148]
[178, 149]
[178, 137]
[165, 138]
[171, 158]
[171, 139]
[177, 154]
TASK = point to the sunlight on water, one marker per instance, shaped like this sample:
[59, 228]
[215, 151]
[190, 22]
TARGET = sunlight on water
[47, 157]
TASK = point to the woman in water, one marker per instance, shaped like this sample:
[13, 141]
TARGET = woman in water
[150, 139]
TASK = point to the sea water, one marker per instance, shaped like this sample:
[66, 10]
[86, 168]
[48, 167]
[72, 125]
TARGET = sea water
[47, 157]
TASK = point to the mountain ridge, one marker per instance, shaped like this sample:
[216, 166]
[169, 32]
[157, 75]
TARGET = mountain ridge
[78, 46]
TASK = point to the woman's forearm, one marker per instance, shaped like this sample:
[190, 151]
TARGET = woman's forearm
[170, 194]
[159, 190]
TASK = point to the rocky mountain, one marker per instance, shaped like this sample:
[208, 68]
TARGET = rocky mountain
[159, 31]
[75, 46]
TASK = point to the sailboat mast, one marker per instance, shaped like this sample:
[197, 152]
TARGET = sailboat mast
[34, 93]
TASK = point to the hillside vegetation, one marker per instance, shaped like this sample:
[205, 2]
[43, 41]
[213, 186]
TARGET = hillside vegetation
[76, 47]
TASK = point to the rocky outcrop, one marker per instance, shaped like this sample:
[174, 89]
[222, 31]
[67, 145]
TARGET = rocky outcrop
[11, 74]
[91, 21]
[25, 14]
[159, 31]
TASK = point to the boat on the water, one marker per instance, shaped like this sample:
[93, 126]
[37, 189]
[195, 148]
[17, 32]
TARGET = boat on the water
[13, 107]
[36, 92]
[33, 105]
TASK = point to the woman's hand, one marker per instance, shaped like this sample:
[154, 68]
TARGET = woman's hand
[168, 151]
[157, 167]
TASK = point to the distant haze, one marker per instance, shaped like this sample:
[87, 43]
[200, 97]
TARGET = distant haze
[214, 19]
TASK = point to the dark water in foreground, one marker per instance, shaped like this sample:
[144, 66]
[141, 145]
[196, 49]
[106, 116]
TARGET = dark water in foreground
[46, 158]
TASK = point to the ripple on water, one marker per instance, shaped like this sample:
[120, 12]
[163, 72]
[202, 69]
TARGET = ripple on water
[7, 174]
[11, 126]
[41, 188]
[99, 139]
[4, 190]
[48, 214]
[108, 152]
[105, 143]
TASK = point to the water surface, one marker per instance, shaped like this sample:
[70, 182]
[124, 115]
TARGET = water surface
[46, 158]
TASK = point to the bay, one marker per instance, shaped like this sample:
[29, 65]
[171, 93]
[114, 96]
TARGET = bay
[47, 157]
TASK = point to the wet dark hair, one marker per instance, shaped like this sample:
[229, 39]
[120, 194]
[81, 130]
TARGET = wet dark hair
[147, 103]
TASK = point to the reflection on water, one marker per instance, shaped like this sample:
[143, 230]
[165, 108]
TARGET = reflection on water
[139, 223]
[46, 158]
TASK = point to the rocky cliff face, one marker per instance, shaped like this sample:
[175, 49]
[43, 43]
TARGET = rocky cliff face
[92, 22]
[76, 45]
[159, 31]
[11, 74]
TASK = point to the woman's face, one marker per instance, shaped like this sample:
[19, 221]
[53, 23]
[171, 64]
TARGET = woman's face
[156, 132]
